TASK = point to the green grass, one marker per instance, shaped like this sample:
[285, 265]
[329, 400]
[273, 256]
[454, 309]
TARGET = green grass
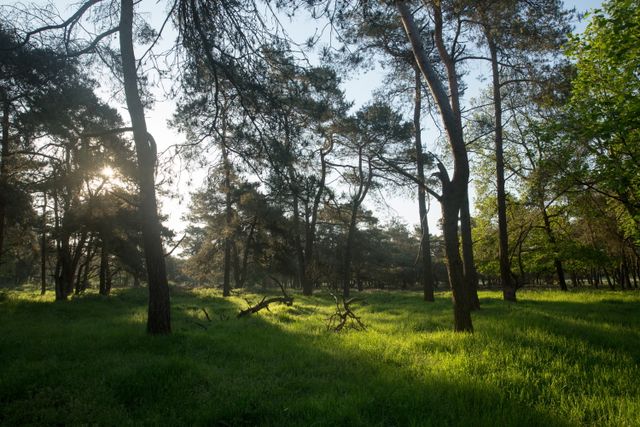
[553, 359]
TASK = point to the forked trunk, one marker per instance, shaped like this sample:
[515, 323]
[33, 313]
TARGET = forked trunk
[455, 190]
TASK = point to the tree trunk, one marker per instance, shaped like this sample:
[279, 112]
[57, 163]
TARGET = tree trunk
[4, 157]
[363, 189]
[242, 274]
[43, 247]
[552, 239]
[508, 288]
[425, 242]
[608, 277]
[104, 268]
[300, 258]
[226, 284]
[346, 272]
[65, 278]
[159, 314]
[454, 190]
[461, 300]
[468, 264]
[87, 267]
[310, 237]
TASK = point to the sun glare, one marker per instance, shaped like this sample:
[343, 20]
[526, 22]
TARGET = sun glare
[107, 172]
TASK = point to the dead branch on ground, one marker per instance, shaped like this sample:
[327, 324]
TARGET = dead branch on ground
[344, 315]
[264, 303]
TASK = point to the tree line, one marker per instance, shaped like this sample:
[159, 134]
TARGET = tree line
[550, 145]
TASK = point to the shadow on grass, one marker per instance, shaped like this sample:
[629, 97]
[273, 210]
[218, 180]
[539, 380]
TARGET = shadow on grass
[607, 324]
[89, 361]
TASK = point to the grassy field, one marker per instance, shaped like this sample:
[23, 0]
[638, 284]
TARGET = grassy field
[553, 359]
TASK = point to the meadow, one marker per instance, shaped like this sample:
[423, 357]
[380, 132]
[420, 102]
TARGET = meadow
[552, 359]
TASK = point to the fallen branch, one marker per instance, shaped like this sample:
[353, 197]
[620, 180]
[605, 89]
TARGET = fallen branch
[206, 314]
[344, 315]
[264, 303]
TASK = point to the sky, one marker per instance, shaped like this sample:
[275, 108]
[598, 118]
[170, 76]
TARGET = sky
[358, 88]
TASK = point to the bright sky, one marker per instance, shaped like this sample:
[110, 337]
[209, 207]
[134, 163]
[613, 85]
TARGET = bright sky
[359, 89]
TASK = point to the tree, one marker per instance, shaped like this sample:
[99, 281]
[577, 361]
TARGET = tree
[159, 313]
[58, 34]
[27, 75]
[454, 188]
[379, 30]
[517, 34]
[605, 106]
[365, 138]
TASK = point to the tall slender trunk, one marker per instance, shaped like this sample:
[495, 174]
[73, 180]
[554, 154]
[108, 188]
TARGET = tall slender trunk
[356, 202]
[508, 288]
[43, 247]
[425, 242]
[346, 269]
[105, 287]
[64, 281]
[237, 270]
[83, 282]
[468, 263]
[226, 284]
[297, 241]
[240, 269]
[58, 288]
[557, 262]
[4, 158]
[310, 236]
[159, 314]
[454, 189]
[295, 194]
[75, 260]
[626, 271]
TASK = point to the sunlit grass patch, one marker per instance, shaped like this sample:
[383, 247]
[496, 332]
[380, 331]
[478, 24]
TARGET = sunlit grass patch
[551, 359]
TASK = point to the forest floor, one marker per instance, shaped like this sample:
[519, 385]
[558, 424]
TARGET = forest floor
[552, 359]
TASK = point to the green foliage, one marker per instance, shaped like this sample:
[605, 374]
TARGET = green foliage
[550, 360]
[605, 101]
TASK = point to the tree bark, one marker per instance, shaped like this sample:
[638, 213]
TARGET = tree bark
[226, 284]
[4, 157]
[65, 271]
[300, 258]
[455, 270]
[455, 189]
[425, 242]
[356, 201]
[159, 314]
[310, 236]
[468, 263]
[508, 288]
[43, 247]
[84, 283]
[104, 268]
